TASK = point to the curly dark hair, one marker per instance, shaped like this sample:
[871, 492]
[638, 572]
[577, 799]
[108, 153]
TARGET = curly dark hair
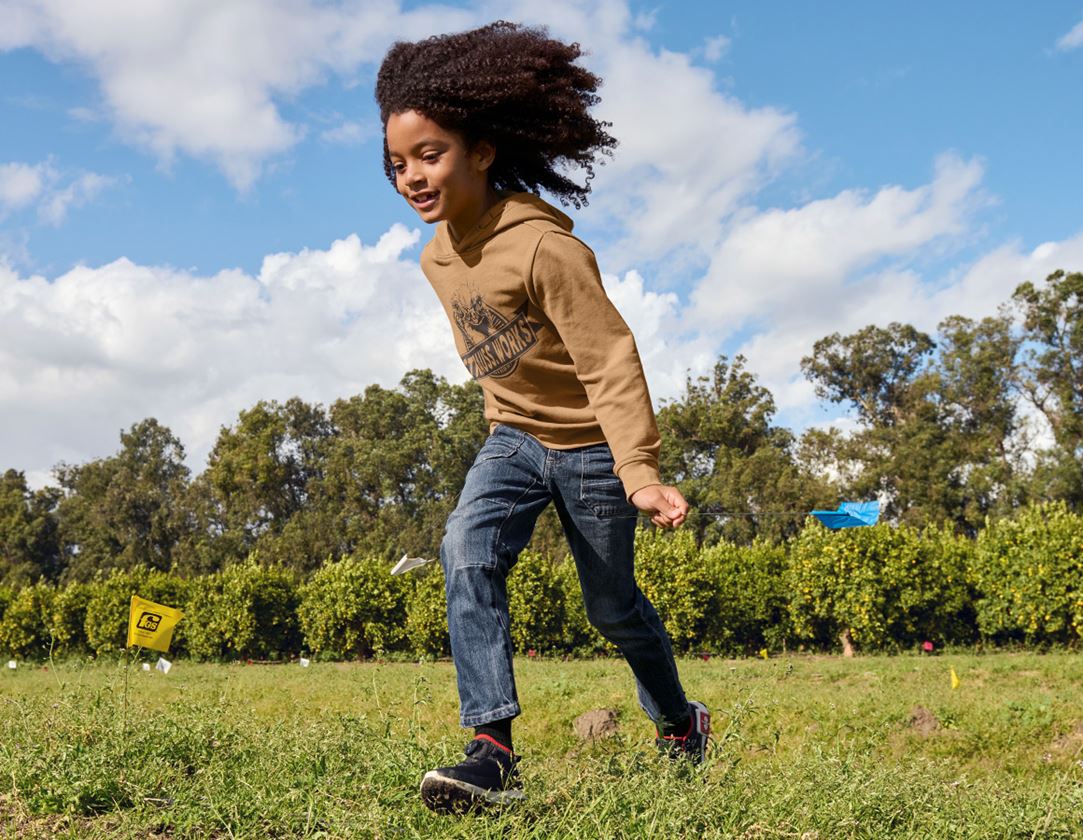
[512, 86]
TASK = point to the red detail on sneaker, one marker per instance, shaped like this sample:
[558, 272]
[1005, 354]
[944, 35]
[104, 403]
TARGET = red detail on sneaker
[494, 742]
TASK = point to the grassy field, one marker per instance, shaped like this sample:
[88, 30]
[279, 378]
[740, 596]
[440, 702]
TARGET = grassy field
[805, 747]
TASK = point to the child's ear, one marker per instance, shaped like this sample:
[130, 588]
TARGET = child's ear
[484, 154]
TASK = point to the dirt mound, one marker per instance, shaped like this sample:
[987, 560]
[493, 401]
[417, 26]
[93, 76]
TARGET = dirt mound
[597, 723]
[922, 721]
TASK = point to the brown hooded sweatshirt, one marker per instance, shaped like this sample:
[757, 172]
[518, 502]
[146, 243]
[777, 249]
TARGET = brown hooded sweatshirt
[536, 330]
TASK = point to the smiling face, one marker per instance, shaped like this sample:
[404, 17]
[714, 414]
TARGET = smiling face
[437, 173]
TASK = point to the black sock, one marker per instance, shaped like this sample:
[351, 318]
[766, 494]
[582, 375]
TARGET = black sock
[498, 730]
[680, 728]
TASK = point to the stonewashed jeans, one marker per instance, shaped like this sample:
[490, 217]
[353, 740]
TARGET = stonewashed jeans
[512, 480]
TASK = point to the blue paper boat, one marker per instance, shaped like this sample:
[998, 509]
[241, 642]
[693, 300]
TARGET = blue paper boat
[850, 515]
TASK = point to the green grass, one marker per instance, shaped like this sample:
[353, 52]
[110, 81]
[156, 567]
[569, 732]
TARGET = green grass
[805, 747]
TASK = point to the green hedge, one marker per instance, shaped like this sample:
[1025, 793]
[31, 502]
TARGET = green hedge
[247, 611]
[1029, 572]
[352, 608]
[884, 587]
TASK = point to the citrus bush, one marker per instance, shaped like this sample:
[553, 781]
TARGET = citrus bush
[536, 604]
[752, 598]
[353, 608]
[68, 619]
[247, 611]
[882, 585]
[24, 629]
[426, 614]
[1029, 574]
[671, 573]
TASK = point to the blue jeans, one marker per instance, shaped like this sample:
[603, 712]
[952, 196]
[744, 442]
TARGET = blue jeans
[512, 480]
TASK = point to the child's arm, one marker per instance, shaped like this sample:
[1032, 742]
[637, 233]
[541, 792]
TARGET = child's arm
[567, 286]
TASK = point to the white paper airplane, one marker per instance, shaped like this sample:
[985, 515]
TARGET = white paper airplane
[408, 563]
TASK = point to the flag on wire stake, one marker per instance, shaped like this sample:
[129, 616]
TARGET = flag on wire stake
[304, 662]
[12, 664]
[150, 625]
[954, 680]
[146, 666]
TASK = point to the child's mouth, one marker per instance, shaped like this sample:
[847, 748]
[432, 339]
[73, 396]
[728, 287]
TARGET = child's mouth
[425, 200]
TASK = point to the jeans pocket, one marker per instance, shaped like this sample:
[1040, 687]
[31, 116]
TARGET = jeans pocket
[601, 490]
[502, 443]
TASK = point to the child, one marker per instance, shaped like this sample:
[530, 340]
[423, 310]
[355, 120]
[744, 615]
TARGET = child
[474, 123]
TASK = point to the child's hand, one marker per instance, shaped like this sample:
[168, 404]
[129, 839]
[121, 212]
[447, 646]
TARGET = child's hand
[666, 505]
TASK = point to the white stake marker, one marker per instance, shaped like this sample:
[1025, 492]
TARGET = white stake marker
[163, 665]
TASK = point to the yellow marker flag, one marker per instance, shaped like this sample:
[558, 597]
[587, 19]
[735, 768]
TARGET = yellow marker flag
[150, 625]
[763, 653]
[954, 680]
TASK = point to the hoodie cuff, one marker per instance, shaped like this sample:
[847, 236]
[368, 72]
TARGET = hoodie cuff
[637, 475]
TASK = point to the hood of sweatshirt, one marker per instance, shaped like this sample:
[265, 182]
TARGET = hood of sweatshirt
[512, 210]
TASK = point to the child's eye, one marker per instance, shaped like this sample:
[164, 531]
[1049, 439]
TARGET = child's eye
[431, 158]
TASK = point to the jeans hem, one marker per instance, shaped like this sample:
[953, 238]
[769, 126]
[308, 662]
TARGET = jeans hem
[511, 710]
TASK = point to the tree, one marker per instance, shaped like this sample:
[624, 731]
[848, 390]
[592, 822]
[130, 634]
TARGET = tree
[936, 419]
[28, 540]
[119, 512]
[719, 445]
[397, 462]
[259, 477]
[1052, 377]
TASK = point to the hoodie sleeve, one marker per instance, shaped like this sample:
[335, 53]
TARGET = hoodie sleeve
[566, 285]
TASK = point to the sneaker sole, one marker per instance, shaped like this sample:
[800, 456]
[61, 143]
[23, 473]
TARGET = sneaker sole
[448, 795]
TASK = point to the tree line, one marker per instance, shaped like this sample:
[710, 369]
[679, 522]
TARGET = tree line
[976, 421]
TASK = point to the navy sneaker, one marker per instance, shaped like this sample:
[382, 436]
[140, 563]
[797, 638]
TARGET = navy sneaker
[693, 744]
[487, 776]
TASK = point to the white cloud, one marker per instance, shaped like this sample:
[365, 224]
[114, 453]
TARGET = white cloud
[716, 47]
[21, 184]
[79, 192]
[96, 349]
[782, 263]
[205, 78]
[54, 192]
[786, 278]
[1071, 39]
[348, 133]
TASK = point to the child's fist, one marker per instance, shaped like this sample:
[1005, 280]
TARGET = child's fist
[665, 504]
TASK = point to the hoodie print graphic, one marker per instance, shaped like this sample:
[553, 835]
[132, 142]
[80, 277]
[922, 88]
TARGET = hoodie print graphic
[493, 343]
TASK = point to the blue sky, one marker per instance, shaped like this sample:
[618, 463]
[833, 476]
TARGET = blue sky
[173, 186]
